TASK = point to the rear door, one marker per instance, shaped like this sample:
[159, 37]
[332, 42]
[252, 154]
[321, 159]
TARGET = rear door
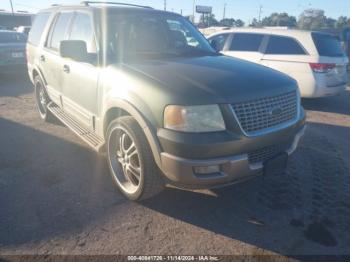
[287, 55]
[35, 39]
[331, 53]
[50, 60]
[246, 46]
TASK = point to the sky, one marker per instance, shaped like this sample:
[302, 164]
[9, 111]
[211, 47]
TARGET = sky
[242, 9]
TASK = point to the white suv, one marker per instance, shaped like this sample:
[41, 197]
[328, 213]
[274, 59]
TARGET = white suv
[316, 60]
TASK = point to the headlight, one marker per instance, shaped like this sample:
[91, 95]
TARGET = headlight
[196, 119]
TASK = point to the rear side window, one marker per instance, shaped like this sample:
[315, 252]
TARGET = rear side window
[246, 42]
[279, 45]
[220, 41]
[38, 28]
[327, 45]
[12, 37]
[82, 30]
[60, 30]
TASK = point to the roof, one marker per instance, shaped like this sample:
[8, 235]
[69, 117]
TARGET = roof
[16, 13]
[271, 31]
[104, 6]
[109, 9]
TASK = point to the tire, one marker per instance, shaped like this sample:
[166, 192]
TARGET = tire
[42, 100]
[131, 162]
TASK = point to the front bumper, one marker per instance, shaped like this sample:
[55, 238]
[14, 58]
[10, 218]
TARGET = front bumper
[233, 169]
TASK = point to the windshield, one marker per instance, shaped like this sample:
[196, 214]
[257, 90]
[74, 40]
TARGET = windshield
[12, 37]
[150, 36]
[328, 45]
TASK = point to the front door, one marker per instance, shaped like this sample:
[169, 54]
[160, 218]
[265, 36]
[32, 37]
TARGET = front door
[80, 79]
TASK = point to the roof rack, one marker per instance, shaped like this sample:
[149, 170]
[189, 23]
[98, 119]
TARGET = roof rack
[87, 3]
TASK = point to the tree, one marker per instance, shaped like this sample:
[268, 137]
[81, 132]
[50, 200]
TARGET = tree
[279, 19]
[330, 23]
[227, 22]
[255, 23]
[209, 20]
[343, 22]
[230, 22]
[312, 19]
[239, 23]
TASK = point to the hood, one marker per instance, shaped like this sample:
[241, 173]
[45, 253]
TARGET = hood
[213, 79]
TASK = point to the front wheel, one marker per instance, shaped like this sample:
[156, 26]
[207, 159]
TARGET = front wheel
[131, 162]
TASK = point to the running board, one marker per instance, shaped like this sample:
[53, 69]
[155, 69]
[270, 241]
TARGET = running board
[84, 133]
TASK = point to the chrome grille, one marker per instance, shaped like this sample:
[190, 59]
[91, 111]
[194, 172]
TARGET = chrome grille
[263, 113]
[265, 153]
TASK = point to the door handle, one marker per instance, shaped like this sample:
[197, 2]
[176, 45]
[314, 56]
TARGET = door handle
[66, 69]
[42, 58]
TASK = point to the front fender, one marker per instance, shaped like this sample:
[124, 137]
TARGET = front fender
[145, 124]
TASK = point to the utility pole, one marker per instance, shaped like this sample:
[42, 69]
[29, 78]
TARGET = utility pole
[194, 7]
[223, 17]
[260, 12]
[164, 5]
[12, 7]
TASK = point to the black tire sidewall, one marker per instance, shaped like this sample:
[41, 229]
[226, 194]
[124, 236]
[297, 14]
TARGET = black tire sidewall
[38, 81]
[114, 125]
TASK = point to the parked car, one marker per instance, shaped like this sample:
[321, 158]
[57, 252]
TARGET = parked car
[346, 42]
[23, 29]
[164, 111]
[315, 60]
[12, 51]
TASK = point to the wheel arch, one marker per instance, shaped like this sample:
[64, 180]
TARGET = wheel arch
[37, 72]
[117, 108]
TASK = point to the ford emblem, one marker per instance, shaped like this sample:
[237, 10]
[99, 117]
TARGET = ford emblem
[275, 111]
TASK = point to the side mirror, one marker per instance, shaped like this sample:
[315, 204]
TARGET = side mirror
[74, 49]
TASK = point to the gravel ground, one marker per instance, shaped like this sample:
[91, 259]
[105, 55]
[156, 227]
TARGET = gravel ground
[56, 196]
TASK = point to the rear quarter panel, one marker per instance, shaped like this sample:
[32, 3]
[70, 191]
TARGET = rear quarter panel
[297, 67]
[31, 53]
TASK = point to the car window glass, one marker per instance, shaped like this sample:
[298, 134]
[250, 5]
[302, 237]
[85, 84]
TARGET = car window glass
[279, 45]
[180, 34]
[328, 45]
[220, 41]
[246, 42]
[37, 28]
[60, 30]
[82, 30]
[134, 37]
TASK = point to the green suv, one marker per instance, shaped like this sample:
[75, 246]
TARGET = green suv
[145, 88]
